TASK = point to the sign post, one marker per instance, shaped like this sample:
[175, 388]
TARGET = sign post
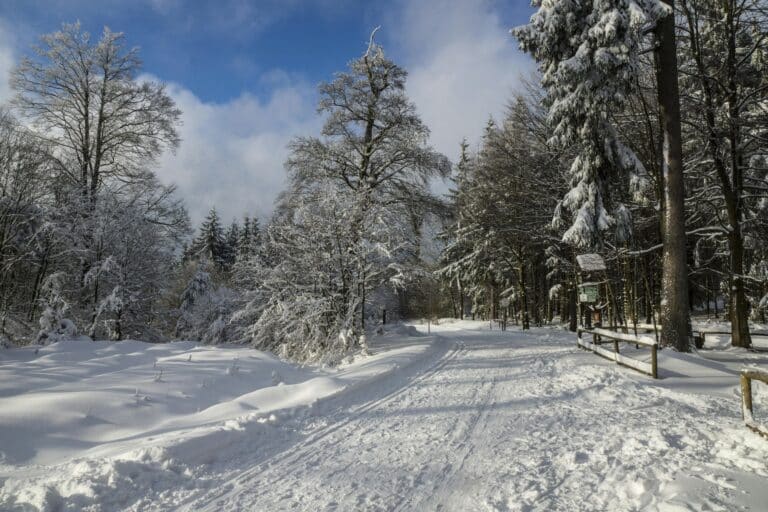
[591, 266]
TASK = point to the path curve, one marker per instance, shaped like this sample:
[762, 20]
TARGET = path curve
[508, 421]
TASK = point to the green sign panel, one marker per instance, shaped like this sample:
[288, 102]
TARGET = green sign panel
[588, 293]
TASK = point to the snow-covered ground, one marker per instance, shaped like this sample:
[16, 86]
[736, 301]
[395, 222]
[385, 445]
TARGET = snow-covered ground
[469, 419]
[723, 341]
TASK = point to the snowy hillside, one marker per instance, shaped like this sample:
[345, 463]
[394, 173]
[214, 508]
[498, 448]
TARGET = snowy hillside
[469, 420]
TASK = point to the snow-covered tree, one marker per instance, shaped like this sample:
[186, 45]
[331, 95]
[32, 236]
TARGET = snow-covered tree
[589, 57]
[373, 151]
[504, 200]
[205, 308]
[250, 239]
[231, 241]
[296, 289]
[210, 243]
[141, 235]
[102, 129]
[724, 47]
[54, 325]
[24, 167]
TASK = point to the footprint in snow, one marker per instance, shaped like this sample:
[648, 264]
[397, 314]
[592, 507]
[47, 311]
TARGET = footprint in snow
[580, 458]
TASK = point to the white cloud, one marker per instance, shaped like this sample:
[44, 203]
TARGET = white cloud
[7, 61]
[232, 153]
[463, 66]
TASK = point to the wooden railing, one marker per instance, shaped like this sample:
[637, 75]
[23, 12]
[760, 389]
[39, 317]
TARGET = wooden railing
[617, 337]
[703, 334]
[699, 334]
[747, 376]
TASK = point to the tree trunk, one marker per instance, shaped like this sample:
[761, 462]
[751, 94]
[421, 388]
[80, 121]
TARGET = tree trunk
[675, 314]
[573, 316]
[524, 298]
[740, 336]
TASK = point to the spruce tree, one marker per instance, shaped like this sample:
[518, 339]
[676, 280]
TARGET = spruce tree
[231, 242]
[249, 239]
[210, 244]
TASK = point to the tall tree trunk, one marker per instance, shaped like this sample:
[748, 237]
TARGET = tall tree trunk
[740, 336]
[573, 315]
[675, 314]
[526, 324]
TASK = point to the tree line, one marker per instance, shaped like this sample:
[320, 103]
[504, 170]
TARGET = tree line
[647, 130]
[93, 243]
[600, 152]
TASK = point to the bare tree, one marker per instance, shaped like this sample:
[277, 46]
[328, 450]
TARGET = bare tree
[23, 176]
[722, 45]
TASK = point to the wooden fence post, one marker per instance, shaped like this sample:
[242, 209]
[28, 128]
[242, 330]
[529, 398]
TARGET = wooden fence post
[746, 396]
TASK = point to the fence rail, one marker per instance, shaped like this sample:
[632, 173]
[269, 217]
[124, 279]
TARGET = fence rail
[747, 376]
[703, 334]
[597, 340]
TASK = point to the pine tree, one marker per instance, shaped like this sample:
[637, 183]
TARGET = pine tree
[249, 239]
[231, 242]
[588, 54]
[210, 244]
[505, 197]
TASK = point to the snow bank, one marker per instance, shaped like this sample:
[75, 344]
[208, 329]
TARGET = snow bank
[95, 424]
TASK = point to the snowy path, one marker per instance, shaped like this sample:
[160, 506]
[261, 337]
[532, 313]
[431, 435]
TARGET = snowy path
[507, 421]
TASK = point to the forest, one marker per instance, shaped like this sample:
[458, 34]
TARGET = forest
[643, 138]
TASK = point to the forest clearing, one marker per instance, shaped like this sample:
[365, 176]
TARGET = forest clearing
[467, 418]
[333, 255]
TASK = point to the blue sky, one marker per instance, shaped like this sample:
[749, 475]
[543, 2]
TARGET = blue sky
[245, 72]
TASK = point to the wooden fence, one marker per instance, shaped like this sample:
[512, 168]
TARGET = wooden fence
[699, 335]
[617, 337]
[704, 333]
[747, 376]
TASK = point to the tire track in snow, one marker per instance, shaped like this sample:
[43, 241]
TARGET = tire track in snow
[252, 476]
[515, 422]
[467, 447]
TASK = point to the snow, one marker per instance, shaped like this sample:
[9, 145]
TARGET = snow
[722, 342]
[642, 366]
[591, 262]
[633, 338]
[469, 419]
